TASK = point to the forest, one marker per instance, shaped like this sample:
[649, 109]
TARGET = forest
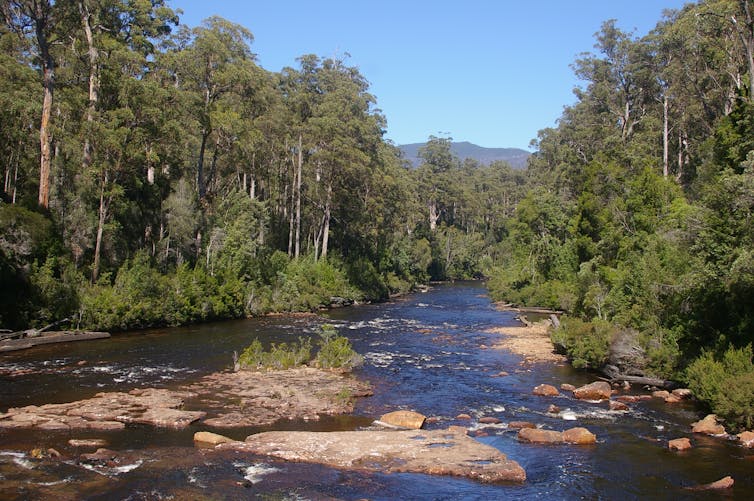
[154, 174]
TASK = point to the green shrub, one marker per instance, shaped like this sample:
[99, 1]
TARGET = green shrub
[336, 352]
[279, 357]
[725, 384]
[587, 344]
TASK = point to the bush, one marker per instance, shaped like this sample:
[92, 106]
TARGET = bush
[725, 384]
[335, 352]
[587, 344]
[280, 356]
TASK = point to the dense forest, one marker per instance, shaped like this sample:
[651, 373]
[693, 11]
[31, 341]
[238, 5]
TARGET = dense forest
[154, 174]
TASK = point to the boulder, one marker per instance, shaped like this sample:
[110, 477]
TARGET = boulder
[599, 390]
[618, 406]
[464, 417]
[679, 444]
[539, 436]
[209, 438]
[708, 426]
[546, 390]
[672, 399]
[435, 452]
[746, 438]
[567, 387]
[579, 436]
[683, 393]
[404, 419]
[661, 394]
[553, 409]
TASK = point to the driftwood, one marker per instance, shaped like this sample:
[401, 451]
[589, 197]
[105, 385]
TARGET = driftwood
[614, 376]
[48, 338]
[31, 333]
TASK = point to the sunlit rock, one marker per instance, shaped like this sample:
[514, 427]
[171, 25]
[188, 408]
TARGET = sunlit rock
[579, 436]
[539, 436]
[679, 444]
[546, 390]
[436, 452]
[209, 438]
[404, 419]
[599, 390]
[708, 426]
[746, 438]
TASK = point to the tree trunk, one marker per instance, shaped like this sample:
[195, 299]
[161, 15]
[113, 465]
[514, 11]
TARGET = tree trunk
[326, 221]
[103, 203]
[48, 85]
[665, 138]
[200, 186]
[94, 82]
[297, 249]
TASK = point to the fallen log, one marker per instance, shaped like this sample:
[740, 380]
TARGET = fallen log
[48, 338]
[613, 375]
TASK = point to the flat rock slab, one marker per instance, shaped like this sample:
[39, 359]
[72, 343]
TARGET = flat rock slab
[106, 411]
[251, 398]
[436, 452]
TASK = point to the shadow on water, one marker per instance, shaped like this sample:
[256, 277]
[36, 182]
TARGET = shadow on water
[423, 352]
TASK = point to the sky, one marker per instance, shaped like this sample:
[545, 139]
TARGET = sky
[491, 72]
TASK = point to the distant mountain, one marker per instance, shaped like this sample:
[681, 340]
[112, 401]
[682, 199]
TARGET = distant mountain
[516, 157]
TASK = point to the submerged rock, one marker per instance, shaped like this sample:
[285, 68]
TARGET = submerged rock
[598, 390]
[404, 419]
[616, 405]
[708, 426]
[436, 452]
[88, 442]
[489, 420]
[723, 483]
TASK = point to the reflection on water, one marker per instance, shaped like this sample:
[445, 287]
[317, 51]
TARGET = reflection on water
[421, 353]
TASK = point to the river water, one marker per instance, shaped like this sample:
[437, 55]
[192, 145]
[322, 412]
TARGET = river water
[425, 352]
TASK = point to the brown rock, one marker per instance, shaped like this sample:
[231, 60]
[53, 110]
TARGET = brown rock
[436, 452]
[209, 438]
[672, 399]
[567, 387]
[546, 390]
[502, 374]
[53, 453]
[661, 394]
[87, 442]
[517, 425]
[746, 438]
[489, 420]
[463, 416]
[404, 419]
[683, 393]
[633, 398]
[708, 426]
[579, 436]
[599, 390]
[539, 436]
[618, 406]
[432, 420]
[553, 409]
[679, 444]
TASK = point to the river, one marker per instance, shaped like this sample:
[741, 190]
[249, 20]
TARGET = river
[422, 352]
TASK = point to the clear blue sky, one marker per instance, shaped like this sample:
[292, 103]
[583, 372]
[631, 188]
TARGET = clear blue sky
[492, 72]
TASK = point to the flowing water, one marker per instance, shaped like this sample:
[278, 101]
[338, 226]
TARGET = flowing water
[425, 352]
